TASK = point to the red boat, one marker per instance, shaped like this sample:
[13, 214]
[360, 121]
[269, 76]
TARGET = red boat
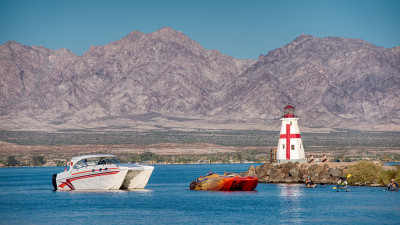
[244, 183]
[227, 182]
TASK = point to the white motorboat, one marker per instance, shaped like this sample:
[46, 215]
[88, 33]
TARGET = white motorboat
[101, 172]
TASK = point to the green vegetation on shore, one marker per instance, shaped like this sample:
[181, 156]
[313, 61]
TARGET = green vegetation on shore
[29, 160]
[365, 173]
[255, 156]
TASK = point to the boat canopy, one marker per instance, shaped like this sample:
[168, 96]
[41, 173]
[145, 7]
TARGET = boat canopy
[77, 158]
[83, 160]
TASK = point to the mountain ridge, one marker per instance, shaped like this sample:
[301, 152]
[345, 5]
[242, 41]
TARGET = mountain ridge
[334, 83]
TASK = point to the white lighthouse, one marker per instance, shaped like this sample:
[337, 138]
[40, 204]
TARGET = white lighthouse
[290, 148]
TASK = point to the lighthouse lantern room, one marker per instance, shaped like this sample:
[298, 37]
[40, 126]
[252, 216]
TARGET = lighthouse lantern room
[290, 148]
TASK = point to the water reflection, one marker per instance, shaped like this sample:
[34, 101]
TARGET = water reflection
[291, 190]
[290, 203]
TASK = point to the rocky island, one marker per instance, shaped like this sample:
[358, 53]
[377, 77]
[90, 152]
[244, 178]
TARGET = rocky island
[327, 173]
[363, 173]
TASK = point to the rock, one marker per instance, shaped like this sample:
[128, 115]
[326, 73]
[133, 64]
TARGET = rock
[285, 171]
[324, 175]
[295, 173]
[288, 180]
[272, 170]
[263, 170]
[288, 165]
[335, 172]
[324, 180]
[250, 172]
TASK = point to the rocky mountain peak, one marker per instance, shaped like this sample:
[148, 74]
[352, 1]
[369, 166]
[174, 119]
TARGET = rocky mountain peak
[169, 35]
[333, 82]
[303, 37]
[167, 32]
[300, 42]
[130, 37]
[336, 78]
[164, 72]
[11, 44]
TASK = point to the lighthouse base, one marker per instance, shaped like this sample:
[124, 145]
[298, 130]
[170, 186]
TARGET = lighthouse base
[279, 161]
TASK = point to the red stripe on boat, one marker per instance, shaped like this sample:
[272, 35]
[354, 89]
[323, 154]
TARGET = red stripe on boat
[90, 171]
[69, 184]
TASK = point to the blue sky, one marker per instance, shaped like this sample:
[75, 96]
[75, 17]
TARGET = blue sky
[242, 29]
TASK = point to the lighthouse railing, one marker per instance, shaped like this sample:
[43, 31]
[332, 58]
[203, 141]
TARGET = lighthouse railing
[290, 116]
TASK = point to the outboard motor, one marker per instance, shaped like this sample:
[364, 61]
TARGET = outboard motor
[54, 182]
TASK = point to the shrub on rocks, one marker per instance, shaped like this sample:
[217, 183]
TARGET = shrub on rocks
[364, 172]
[387, 175]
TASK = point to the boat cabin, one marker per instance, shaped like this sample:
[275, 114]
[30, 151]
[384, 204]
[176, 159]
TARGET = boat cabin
[92, 160]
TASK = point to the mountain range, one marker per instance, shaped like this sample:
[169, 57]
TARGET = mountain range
[166, 79]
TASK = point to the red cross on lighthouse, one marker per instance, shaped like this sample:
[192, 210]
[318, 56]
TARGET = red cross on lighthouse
[288, 136]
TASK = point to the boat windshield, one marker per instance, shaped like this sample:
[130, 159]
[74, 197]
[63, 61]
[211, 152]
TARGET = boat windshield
[96, 161]
[104, 160]
[112, 161]
[80, 164]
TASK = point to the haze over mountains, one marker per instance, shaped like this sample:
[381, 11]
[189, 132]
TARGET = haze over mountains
[145, 81]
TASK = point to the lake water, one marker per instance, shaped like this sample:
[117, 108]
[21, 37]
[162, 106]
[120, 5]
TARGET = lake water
[26, 196]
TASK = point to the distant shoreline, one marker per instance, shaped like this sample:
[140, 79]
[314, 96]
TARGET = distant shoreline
[182, 147]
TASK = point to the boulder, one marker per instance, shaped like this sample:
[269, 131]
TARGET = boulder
[250, 172]
[271, 171]
[335, 172]
[324, 175]
[263, 170]
[294, 172]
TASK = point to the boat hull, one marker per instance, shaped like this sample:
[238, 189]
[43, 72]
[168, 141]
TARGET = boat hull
[110, 179]
[135, 178]
[216, 182]
[103, 177]
[244, 184]
[212, 184]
